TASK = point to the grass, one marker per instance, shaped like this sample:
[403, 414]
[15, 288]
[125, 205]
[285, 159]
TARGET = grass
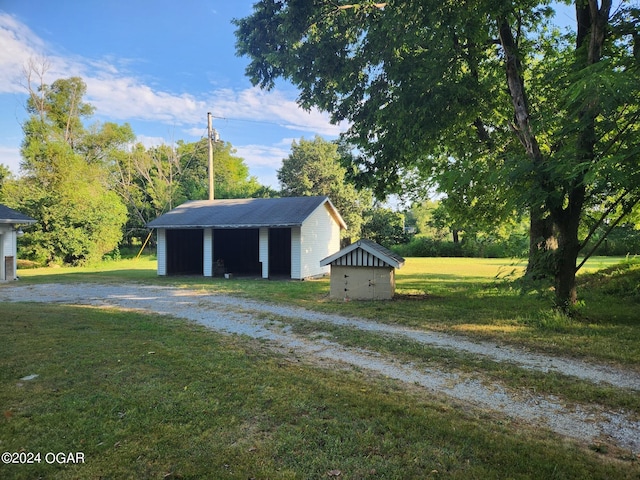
[151, 401]
[151, 397]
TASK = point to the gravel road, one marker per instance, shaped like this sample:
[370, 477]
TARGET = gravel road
[230, 315]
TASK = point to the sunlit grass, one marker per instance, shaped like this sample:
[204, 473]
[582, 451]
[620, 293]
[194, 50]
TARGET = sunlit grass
[149, 397]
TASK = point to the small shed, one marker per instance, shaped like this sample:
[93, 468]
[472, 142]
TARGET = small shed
[10, 220]
[364, 270]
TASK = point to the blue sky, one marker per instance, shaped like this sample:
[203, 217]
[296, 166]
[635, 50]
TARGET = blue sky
[158, 65]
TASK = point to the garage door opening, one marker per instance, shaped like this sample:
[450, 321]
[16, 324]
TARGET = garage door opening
[184, 252]
[279, 251]
[238, 250]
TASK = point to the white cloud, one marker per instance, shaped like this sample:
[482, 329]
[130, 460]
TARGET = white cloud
[122, 96]
[10, 156]
[119, 95]
[19, 44]
[273, 107]
[126, 98]
[149, 142]
[263, 155]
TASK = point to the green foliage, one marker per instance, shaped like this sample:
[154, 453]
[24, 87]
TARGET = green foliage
[153, 181]
[231, 174]
[313, 168]
[497, 109]
[65, 185]
[5, 174]
[512, 246]
[620, 281]
[384, 226]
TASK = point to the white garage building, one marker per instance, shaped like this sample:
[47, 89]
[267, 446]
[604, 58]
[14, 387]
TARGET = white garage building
[264, 237]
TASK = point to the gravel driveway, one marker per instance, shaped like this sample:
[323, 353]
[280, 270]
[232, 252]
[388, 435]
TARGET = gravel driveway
[230, 315]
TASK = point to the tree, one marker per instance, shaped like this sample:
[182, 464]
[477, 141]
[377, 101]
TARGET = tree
[384, 226]
[154, 180]
[481, 98]
[5, 174]
[313, 168]
[231, 174]
[64, 186]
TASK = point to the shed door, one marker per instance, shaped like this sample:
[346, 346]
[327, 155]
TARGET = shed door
[279, 251]
[362, 283]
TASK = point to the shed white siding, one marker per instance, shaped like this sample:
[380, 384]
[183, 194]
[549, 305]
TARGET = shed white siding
[7, 253]
[263, 253]
[319, 237]
[207, 253]
[161, 251]
[296, 254]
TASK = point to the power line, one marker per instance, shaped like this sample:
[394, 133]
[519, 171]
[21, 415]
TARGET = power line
[265, 122]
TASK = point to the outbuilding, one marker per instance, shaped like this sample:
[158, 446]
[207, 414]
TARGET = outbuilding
[10, 221]
[265, 237]
[364, 270]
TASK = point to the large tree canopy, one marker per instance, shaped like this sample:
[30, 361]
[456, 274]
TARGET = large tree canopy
[480, 97]
[66, 177]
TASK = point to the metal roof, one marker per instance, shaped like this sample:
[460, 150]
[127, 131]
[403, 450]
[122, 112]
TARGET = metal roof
[244, 213]
[364, 253]
[9, 215]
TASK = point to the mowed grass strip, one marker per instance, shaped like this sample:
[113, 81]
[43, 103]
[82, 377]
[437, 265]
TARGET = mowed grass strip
[143, 397]
[523, 380]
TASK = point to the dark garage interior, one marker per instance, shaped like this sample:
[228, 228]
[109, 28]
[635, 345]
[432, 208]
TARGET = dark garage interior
[279, 251]
[235, 251]
[184, 251]
[238, 249]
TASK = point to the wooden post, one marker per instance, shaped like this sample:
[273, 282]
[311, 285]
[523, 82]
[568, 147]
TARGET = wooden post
[210, 142]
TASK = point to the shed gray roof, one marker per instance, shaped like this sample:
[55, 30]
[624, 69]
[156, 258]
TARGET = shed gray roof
[9, 215]
[244, 213]
[374, 254]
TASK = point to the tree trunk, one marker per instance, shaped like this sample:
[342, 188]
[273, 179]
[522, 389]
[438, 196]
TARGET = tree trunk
[542, 245]
[568, 247]
[565, 279]
[592, 23]
[541, 236]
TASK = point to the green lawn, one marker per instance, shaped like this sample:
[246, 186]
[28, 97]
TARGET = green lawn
[153, 398]
[148, 397]
[470, 296]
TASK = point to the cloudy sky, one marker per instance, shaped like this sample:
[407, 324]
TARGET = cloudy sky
[159, 65]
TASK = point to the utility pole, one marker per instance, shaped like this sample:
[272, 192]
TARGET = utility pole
[210, 140]
[212, 137]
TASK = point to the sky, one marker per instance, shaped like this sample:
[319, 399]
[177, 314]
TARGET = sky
[158, 65]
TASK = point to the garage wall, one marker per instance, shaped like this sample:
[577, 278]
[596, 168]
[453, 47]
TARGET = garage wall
[207, 255]
[319, 238]
[264, 251]
[3, 249]
[161, 251]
